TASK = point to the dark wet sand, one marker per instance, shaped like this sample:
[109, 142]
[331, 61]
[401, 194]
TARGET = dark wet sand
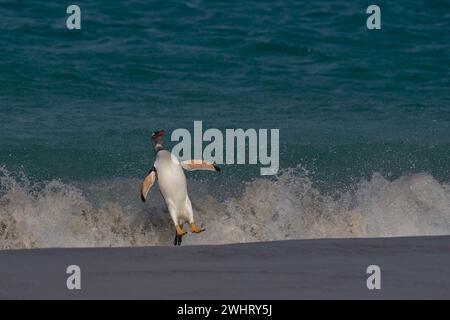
[411, 268]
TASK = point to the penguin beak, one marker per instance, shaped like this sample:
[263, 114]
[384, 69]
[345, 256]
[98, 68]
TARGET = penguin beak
[160, 133]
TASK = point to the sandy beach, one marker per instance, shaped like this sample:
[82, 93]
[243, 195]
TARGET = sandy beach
[303, 269]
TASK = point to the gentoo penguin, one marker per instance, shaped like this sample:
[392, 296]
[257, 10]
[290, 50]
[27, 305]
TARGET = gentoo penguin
[172, 184]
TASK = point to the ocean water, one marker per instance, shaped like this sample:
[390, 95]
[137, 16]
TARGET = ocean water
[364, 118]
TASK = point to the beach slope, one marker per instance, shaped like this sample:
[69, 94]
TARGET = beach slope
[410, 268]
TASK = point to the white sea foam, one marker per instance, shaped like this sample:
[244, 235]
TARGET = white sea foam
[109, 213]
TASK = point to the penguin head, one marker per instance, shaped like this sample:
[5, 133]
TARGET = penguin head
[157, 137]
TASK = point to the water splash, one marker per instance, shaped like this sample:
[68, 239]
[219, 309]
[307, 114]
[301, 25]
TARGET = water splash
[108, 213]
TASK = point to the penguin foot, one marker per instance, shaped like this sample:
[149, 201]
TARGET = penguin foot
[180, 231]
[195, 229]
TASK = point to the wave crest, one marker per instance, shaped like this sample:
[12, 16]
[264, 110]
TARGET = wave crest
[55, 214]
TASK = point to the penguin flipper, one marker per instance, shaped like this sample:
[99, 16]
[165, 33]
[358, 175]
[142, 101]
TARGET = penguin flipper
[192, 165]
[147, 183]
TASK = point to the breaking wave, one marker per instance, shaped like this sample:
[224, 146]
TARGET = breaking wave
[108, 213]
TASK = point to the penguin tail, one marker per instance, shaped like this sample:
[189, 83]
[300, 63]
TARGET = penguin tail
[178, 240]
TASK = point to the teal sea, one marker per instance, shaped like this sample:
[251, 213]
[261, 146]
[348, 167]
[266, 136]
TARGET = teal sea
[364, 118]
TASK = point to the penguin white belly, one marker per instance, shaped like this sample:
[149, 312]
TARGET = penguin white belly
[172, 183]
